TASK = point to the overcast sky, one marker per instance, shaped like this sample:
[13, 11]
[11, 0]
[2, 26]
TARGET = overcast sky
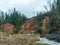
[28, 7]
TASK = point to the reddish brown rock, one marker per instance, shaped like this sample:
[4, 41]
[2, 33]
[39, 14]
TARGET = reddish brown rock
[29, 26]
[8, 28]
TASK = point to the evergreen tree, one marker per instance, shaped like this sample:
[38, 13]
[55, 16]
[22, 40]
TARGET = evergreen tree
[7, 18]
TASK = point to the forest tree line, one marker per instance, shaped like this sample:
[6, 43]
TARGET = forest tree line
[15, 18]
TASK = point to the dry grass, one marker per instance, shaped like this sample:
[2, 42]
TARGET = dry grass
[18, 39]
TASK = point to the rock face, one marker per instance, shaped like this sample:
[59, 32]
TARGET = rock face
[29, 26]
[45, 24]
[8, 28]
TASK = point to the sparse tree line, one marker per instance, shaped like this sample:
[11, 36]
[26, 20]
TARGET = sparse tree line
[15, 18]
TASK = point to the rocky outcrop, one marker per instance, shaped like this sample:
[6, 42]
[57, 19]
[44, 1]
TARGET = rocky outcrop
[7, 28]
[29, 26]
[46, 27]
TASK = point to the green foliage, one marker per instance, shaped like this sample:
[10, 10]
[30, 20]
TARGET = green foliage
[0, 21]
[55, 24]
[40, 44]
[40, 16]
[17, 18]
[7, 18]
[1, 17]
[38, 30]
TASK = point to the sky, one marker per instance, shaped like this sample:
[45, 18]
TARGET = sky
[27, 7]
